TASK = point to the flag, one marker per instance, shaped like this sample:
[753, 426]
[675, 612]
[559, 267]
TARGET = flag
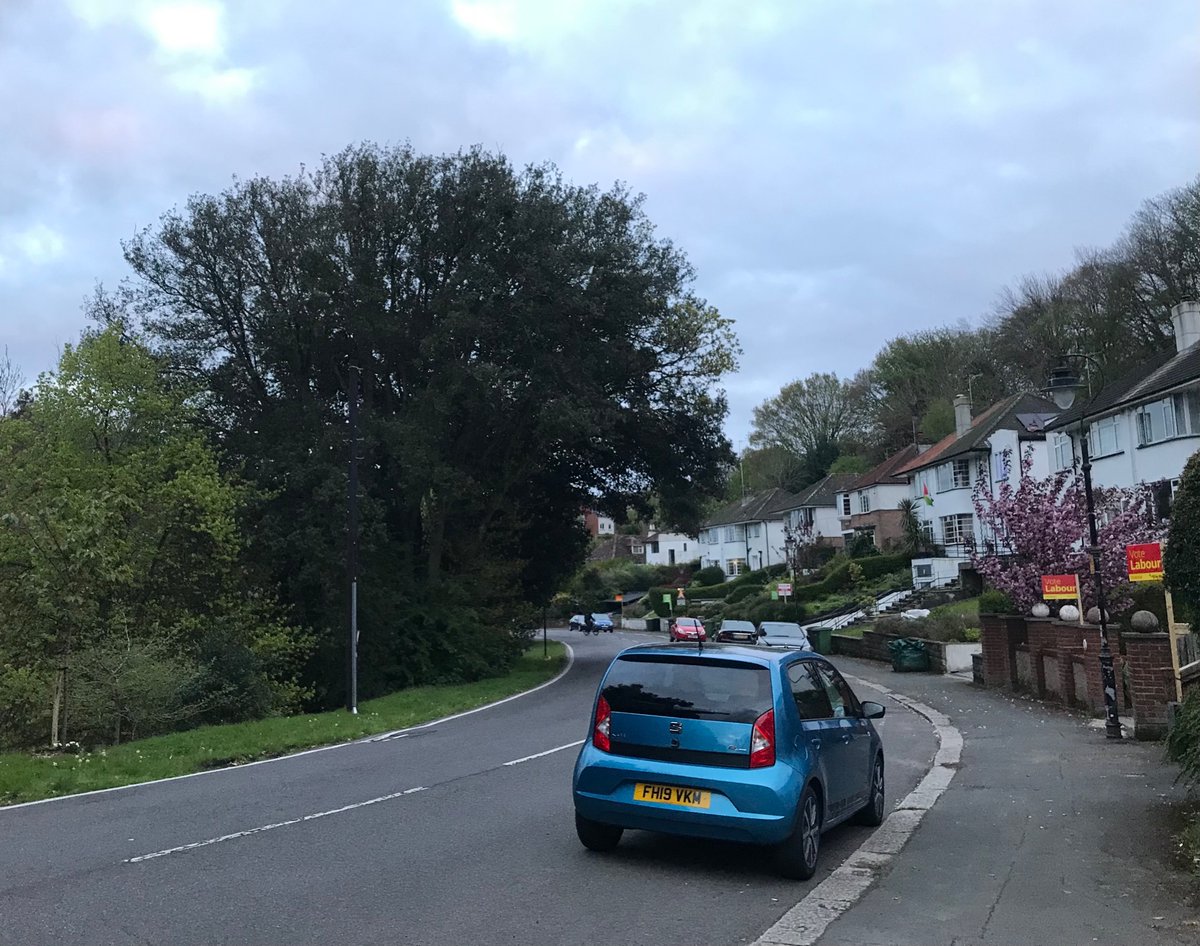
[925, 494]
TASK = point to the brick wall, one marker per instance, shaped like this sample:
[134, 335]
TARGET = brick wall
[1042, 639]
[1000, 635]
[1153, 683]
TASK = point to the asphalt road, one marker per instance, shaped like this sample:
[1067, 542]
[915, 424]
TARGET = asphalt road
[440, 836]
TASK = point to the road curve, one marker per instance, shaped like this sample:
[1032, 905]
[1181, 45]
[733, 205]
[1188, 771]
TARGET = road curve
[460, 832]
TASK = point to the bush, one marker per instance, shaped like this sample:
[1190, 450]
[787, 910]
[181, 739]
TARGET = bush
[1183, 740]
[742, 593]
[25, 699]
[775, 611]
[996, 602]
[712, 575]
[945, 628]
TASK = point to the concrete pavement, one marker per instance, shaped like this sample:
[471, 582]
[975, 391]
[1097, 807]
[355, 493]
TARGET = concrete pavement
[1049, 835]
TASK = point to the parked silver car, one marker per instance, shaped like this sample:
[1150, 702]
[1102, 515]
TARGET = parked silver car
[783, 634]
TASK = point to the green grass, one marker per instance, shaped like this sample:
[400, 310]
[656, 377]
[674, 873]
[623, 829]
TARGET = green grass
[856, 631]
[25, 777]
[968, 608]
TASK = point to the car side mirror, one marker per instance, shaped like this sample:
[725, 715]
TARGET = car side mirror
[873, 710]
[761, 632]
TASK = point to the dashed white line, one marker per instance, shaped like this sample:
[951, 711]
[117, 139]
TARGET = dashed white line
[805, 923]
[271, 827]
[538, 755]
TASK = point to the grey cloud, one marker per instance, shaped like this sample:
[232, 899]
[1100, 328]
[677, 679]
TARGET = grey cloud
[838, 172]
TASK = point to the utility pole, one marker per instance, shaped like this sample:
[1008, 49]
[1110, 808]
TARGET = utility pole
[352, 550]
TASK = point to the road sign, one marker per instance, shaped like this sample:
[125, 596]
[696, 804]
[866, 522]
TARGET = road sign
[1144, 562]
[785, 589]
[1060, 587]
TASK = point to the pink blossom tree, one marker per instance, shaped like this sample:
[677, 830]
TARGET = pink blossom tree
[1034, 527]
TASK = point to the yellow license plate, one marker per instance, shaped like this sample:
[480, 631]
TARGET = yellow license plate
[672, 795]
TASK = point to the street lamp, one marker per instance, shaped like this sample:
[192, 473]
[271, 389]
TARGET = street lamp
[1063, 387]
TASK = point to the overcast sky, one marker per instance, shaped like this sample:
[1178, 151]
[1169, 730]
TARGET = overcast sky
[839, 172]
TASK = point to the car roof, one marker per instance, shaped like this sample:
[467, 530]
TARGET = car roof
[761, 655]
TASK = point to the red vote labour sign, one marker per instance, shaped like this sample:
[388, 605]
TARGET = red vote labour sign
[1144, 561]
[1060, 587]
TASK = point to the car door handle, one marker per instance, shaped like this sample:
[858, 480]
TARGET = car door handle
[847, 737]
[815, 743]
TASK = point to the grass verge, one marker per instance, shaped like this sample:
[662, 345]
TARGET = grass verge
[25, 777]
[968, 608]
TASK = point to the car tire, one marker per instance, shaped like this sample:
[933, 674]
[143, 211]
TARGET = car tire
[797, 857]
[597, 836]
[872, 813]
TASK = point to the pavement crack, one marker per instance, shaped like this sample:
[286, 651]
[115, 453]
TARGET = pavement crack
[1008, 876]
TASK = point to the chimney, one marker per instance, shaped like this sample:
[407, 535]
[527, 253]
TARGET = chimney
[1185, 319]
[962, 415]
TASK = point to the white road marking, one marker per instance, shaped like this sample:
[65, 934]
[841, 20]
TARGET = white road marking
[538, 755]
[295, 755]
[804, 923]
[271, 827]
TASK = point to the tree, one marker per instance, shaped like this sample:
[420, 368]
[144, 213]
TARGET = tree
[10, 385]
[913, 376]
[527, 347]
[808, 419]
[116, 524]
[1032, 527]
[1181, 557]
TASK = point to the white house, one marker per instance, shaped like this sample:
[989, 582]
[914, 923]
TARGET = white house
[746, 534]
[1142, 428]
[671, 548]
[817, 512]
[942, 479]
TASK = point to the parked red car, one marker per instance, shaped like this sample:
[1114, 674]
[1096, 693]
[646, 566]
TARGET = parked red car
[687, 629]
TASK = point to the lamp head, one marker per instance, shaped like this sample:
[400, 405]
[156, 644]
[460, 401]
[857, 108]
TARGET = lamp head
[1063, 386]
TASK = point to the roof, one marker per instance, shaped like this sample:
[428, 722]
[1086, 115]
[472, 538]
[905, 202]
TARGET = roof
[1153, 377]
[821, 493]
[753, 508]
[762, 655]
[885, 472]
[1027, 414]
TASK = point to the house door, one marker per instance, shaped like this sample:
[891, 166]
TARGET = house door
[670, 556]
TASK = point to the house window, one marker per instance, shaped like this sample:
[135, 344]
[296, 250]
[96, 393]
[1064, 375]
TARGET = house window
[753, 530]
[713, 535]
[1104, 437]
[1175, 416]
[864, 501]
[924, 571]
[1064, 452]
[954, 475]
[735, 567]
[958, 530]
[637, 549]
[653, 548]
[845, 504]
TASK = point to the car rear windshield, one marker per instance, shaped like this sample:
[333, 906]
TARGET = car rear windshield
[783, 630]
[737, 626]
[688, 687]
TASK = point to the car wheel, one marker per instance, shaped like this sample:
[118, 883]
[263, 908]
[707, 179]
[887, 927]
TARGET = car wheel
[796, 858]
[595, 835]
[871, 814]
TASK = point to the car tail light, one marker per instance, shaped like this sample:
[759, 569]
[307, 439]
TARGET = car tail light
[762, 741]
[604, 723]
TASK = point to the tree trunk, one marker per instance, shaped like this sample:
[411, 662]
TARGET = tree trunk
[59, 685]
[437, 540]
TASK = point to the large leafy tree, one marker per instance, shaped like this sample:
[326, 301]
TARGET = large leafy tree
[526, 347]
[809, 420]
[122, 596]
[1181, 557]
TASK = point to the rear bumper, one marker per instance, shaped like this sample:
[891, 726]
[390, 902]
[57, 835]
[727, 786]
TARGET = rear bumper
[750, 805]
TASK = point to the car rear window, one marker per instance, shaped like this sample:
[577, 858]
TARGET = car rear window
[783, 630]
[688, 688]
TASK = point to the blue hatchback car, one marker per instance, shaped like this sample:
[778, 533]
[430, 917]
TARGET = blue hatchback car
[766, 746]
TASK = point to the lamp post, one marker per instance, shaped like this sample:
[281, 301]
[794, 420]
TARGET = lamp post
[1064, 386]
